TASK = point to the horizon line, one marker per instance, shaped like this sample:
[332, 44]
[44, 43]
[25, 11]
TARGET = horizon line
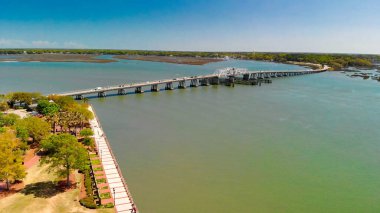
[193, 51]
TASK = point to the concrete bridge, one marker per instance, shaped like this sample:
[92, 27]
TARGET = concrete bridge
[227, 76]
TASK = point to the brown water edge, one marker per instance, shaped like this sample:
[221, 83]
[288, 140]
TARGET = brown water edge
[89, 58]
[170, 59]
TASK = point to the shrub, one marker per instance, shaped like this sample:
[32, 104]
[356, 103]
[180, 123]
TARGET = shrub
[98, 169]
[105, 195]
[88, 183]
[88, 142]
[95, 162]
[101, 180]
[88, 202]
[86, 132]
[108, 205]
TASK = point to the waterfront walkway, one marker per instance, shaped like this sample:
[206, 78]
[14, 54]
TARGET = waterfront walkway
[122, 197]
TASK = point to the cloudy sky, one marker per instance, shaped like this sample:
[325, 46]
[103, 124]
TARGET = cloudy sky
[349, 26]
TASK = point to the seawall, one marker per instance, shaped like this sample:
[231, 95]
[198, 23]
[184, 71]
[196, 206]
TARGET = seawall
[119, 189]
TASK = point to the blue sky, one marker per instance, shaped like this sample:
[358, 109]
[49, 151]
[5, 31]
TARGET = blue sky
[349, 26]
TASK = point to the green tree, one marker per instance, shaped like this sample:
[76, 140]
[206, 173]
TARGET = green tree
[23, 97]
[64, 102]
[4, 106]
[11, 168]
[47, 108]
[37, 128]
[64, 154]
[8, 119]
[22, 133]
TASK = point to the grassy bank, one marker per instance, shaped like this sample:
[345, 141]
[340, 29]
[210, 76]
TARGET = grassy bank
[41, 195]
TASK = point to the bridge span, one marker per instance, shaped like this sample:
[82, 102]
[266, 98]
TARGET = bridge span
[227, 75]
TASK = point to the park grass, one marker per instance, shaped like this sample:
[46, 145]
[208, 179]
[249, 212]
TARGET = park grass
[39, 198]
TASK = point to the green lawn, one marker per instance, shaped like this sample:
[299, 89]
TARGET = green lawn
[40, 196]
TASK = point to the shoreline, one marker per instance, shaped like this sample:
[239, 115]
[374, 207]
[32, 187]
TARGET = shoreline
[123, 198]
[56, 57]
[169, 59]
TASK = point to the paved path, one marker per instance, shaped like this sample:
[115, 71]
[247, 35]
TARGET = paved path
[123, 201]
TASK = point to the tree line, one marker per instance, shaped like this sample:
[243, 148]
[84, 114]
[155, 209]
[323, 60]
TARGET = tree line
[336, 61]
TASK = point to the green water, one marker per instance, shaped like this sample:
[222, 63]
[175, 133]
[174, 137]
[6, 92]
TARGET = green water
[302, 144]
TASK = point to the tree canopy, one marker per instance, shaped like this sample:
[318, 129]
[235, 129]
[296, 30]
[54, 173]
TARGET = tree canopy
[8, 119]
[37, 128]
[23, 97]
[11, 159]
[64, 154]
[47, 108]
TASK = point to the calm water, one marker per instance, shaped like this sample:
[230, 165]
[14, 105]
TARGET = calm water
[302, 144]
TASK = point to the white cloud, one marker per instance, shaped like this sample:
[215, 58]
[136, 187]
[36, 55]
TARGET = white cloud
[72, 44]
[44, 44]
[12, 43]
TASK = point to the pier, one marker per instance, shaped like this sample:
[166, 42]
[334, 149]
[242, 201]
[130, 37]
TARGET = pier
[227, 76]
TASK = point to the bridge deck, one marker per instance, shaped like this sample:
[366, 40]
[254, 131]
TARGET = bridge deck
[181, 79]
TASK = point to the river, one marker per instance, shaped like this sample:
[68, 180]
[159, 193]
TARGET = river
[301, 144]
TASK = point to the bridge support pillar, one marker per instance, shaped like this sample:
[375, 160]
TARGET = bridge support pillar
[102, 94]
[230, 81]
[215, 81]
[246, 77]
[182, 85]
[205, 82]
[121, 92]
[154, 88]
[79, 97]
[169, 86]
[138, 90]
[194, 83]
